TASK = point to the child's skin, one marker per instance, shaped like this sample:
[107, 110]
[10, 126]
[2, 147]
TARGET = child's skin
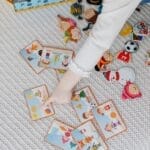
[104, 32]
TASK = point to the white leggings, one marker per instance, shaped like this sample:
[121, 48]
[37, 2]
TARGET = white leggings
[108, 25]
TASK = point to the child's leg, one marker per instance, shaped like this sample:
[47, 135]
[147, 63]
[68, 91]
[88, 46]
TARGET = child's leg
[104, 32]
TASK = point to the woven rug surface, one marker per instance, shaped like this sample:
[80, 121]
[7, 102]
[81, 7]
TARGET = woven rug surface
[17, 131]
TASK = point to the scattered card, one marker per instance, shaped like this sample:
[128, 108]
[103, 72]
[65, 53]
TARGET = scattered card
[108, 119]
[83, 101]
[36, 97]
[59, 135]
[56, 58]
[87, 137]
[32, 55]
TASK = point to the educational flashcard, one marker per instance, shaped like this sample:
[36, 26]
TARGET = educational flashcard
[36, 97]
[32, 55]
[28, 4]
[83, 101]
[56, 58]
[108, 119]
[59, 135]
[88, 138]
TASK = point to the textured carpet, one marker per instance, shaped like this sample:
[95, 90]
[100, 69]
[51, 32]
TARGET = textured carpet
[17, 131]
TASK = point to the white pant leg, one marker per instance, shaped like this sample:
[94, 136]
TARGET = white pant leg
[108, 25]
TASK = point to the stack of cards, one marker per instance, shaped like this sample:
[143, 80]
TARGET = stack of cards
[40, 57]
[36, 97]
[28, 4]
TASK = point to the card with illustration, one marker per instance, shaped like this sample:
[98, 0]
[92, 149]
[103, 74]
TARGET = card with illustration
[32, 54]
[88, 138]
[59, 135]
[36, 97]
[56, 58]
[83, 101]
[60, 73]
[109, 120]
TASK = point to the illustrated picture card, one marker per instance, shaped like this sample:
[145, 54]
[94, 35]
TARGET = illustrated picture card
[108, 119]
[60, 135]
[32, 54]
[83, 101]
[88, 137]
[56, 58]
[36, 97]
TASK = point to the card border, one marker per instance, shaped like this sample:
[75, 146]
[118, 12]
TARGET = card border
[88, 101]
[99, 133]
[27, 61]
[99, 128]
[50, 128]
[28, 105]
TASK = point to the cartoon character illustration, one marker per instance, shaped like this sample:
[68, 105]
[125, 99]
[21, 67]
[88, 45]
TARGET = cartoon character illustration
[70, 29]
[123, 75]
[131, 91]
[106, 59]
[147, 62]
[125, 55]
[65, 61]
[87, 114]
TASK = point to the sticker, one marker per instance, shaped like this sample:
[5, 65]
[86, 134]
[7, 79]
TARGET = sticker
[59, 135]
[56, 58]
[28, 4]
[106, 59]
[123, 75]
[125, 55]
[83, 101]
[70, 29]
[109, 120]
[137, 37]
[88, 138]
[131, 91]
[32, 55]
[141, 28]
[126, 30]
[76, 10]
[36, 97]
[147, 62]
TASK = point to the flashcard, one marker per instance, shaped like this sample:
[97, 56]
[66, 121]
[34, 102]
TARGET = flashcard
[36, 97]
[32, 54]
[56, 58]
[83, 101]
[59, 135]
[60, 73]
[108, 119]
[27, 4]
[88, 138]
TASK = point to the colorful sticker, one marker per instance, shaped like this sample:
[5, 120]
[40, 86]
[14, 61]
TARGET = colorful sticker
[32, 55]
[108, 119]
[70, 29]
[141, 28]
[87, 137]
[59, 135]
[106, 59]
[137, 37]
[123, 75]
[36, 97]
[83, 101]
[126, 30]
[131, 91]
[56, 58]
